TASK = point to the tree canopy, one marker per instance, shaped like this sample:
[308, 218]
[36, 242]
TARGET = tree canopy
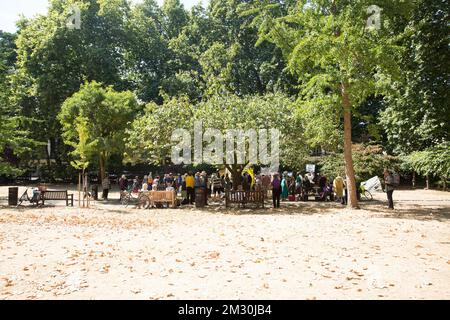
[326, 73]
[94, 120]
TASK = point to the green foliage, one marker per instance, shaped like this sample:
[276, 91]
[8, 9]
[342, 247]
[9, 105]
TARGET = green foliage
[83, 150]
[148, 138]
[327, 46]
[13, 136]
[431, 161]
[93, 121]
[369, 161]
[418, 112]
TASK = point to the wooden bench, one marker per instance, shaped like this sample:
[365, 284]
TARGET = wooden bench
[169, 197]
[244, 197]
[57, 195]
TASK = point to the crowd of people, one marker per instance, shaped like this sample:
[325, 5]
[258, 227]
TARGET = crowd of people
[283, 187]
[286, 186]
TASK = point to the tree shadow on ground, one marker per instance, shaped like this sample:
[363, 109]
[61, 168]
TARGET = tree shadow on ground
[409, 211]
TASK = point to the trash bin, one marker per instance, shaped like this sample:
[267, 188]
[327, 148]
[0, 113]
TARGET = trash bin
[13, 196]
[95, 191]
[199, 197]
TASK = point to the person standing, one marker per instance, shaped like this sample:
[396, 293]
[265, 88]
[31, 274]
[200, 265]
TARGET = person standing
[284, 188]
[227, 183]
[265, 180]
[184, 189]
[276, 191]
[123, 183]
[298, 184]
[338, 187]
[106, 185]
[136, 185]
[204, 181]
[258, 183]
[389, 187]
[190, 183]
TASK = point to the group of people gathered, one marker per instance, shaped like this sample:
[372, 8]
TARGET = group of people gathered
[186, 184]
[286, 186]
[283, 187]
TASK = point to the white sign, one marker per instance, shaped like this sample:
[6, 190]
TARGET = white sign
[310, 168]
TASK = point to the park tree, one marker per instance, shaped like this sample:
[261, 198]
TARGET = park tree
[147, 52]
[14, 138]
[54, 59]
[150, 136]
[271, 111]
[216, 52]
[417, 114]
[369, 161]
[97, 116]
[339, 61]
[432, 161]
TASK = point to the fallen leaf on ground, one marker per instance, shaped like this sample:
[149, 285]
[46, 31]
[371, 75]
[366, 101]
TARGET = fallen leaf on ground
[214, 255]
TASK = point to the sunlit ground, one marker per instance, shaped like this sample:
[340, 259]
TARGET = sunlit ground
[302, 251]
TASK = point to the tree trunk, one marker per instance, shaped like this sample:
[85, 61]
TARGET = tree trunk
[352, 200]
[414, 179]
[427, 182]
[79, 189]
[236, 171]
[102, 164]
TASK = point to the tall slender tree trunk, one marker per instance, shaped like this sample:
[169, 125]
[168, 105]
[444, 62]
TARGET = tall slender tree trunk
[352, 201]
[102, 164]
[79, 189]
[427, 182]
[236, 172]
[414, 179]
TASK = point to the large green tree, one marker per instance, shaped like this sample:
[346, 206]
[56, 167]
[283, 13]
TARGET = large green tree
[14, 139]
[339, 62]
[149, 137]
[53, 60]
[418, 112]
[97, 117]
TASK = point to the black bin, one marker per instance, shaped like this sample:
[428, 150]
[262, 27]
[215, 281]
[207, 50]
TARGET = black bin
[13, 196]
[199, 197]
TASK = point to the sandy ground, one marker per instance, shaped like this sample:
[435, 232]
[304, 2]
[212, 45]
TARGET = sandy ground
[301, 251]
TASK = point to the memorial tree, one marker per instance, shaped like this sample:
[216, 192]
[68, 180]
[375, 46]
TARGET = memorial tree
[224, 130]
[97, 116]
[342, 51]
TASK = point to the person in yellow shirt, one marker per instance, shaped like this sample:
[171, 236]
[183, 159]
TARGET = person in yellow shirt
[190, 188]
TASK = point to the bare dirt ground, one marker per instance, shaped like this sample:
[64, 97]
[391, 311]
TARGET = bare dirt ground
[301, 251]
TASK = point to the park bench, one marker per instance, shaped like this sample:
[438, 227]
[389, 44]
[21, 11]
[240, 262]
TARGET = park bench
[57, 195]
[244, 197]
[169, 197]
